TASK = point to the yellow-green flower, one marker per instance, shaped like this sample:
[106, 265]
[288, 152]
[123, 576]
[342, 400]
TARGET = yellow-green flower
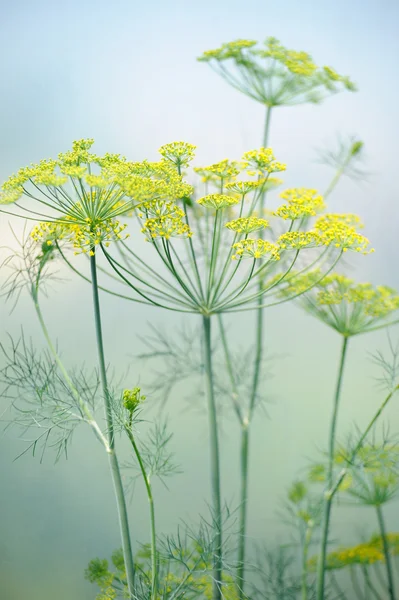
[339, 230]
[244, 187]
[166, 227]
[247, 224]
[348, 307]
[218, 201]
[297, 240]
[179, 153]
[255, 249]
[301, 202]
[261, 162]
[223, 169]
[273, 74]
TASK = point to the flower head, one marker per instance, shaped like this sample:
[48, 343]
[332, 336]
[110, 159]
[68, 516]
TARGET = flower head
[339, 230]
[224, 169]
[247, 224]
[166, 227]
[178, 153]
[298, 240]
[262, 162]
[132, 399]
[255, 249]
[301, 203]
[273, 74]
[348, 307]
[244, 187]
[218, 201]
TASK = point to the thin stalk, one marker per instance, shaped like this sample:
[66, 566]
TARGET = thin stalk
[328, 497]
[148, 487]
[215, 464]
[305, 553]
[247, 420]
[385, 547]
[113, 460]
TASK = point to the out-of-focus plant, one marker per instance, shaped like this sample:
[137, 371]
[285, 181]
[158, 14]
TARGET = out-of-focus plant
[304, 510]
[366, 556]
[374, 482]
[346, 160]
[274, 75]
[184, 564]
[350, 309]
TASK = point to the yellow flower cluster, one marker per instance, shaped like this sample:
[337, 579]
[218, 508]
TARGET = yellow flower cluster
[362, 554]
[301, 203]
[179, 153]
[354, 307]
[244, 187]
[273, 74]
[301, 64]
[227, 50]
[297, 240]
[255, 249]
[217, 201]
[224, 169]
[366, 553]
[132, 399]
[159, 208]
[166, 227]
[84, 237]
[375, 302]
[247, 224]
[261, 162]
[339, 230]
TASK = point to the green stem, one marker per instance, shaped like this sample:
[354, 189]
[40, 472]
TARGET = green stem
[385, 547]
[305, 553]
[215, 466]
[148, 487]
[328, 497]
[113, 460]
[245, 424]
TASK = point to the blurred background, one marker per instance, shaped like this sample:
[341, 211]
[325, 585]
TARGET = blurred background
[125, 73]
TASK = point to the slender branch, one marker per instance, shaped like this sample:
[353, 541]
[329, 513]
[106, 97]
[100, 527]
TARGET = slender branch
[215, 462]
[321, 565]
[148, 487]
[113, 460]
[387, 555]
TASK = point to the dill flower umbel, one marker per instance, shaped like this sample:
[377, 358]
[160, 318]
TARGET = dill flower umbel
[179, 153]
[296, 240]
[255, 249]
[223, 169]
[244, 187]
[166, 227]
[217, 201]
[362, 554]
[83, 194]
[348, 307]
[301, 203]
[339, 230]
[261, 162]
[274, 75]
[247, 224]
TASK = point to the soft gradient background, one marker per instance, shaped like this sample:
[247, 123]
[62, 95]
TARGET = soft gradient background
[125, 73]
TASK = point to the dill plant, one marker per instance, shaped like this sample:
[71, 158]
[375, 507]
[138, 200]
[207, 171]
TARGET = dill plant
[350, 309]
[212, 267]
[274, 76]
[209, 261]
